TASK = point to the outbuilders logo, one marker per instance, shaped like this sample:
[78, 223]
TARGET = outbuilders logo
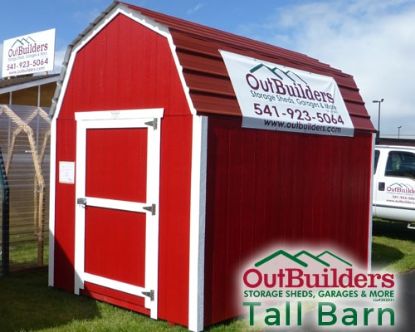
[272, 96]
[29, 54]
[25, 46]
[297, 87]
[400, 188]
[281, 73]
[316, 287]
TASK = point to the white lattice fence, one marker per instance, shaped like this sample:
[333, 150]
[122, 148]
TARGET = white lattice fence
[24, 140]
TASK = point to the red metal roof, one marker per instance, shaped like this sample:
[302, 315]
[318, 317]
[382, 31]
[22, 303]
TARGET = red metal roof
[198, 46]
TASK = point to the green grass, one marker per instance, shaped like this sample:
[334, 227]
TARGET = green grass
[26, 304]
[393, 247]
[26, 253]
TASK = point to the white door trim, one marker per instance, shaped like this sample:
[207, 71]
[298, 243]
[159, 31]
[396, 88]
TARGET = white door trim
[121, 286]
[52, 202]
[149, 119]
[116, 204]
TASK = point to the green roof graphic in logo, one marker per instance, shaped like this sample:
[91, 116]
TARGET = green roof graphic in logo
[328, 252]
[279, 253]
[316, 258]
[295, 258]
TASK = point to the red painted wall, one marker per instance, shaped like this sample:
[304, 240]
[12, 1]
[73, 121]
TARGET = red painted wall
[127, 66]
[267, 188]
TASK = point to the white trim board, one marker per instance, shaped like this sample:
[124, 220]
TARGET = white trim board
[116, 204]
[146, 113]
[197, 224]
[80, 184]
[114, 284]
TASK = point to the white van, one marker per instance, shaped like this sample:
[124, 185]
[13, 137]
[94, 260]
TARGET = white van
[394, 183]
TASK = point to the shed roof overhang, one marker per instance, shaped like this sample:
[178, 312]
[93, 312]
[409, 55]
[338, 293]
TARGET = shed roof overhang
[206, 80]
[20, 83]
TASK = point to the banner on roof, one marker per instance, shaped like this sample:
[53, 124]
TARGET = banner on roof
[29, 54]
[276, 97]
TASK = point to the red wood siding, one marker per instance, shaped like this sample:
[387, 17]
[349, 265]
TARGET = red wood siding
[267, 188]
[127, 66]
[111, 172]
[64, 209]
[115, 243]
[115, 297]
[174, 218]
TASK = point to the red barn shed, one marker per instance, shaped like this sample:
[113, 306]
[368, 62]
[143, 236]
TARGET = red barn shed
[163, 182]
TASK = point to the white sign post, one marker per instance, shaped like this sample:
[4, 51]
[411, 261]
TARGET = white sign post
[29, 54]
[276, 97]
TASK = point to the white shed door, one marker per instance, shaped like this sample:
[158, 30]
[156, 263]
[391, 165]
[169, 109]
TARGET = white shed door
[117, 192]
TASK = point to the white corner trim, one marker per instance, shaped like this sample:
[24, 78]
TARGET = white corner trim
[197, 224]
[148, 22]
[52, 201]
[179, 67]
[372, 166]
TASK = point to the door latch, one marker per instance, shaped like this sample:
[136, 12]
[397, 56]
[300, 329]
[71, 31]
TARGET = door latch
[381, 186]
[81, 201]
[149, 294]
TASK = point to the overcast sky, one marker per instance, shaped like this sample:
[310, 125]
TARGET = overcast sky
[373, 40]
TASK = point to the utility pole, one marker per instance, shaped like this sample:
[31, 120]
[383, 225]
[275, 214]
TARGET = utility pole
[378, 132]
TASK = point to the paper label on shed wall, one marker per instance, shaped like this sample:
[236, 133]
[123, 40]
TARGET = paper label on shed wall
[276, 97]
[67, 172]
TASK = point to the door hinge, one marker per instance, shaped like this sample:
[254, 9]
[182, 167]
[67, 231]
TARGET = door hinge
[81, 201]
[149, 294]
[152, 123]
[151, 208]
